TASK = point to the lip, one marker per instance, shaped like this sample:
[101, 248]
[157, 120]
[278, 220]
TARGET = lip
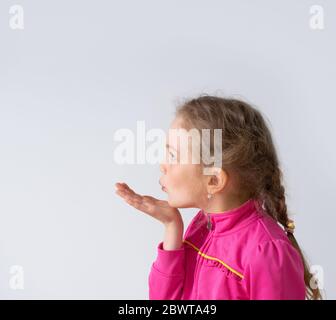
[163, 188]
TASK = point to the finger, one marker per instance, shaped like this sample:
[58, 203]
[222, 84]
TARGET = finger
[121, 193]
[135, 203]
[134, 199]
[154, 201]
[119, 186]
[122, 189]
[125, 185]
[131, 192]
[129, 196]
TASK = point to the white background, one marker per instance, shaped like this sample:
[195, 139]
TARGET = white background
[80, 70]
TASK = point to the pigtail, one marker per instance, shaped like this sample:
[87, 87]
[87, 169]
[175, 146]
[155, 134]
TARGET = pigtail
[274, 203]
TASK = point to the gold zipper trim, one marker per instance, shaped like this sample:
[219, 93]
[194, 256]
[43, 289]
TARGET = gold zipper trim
[214, 258]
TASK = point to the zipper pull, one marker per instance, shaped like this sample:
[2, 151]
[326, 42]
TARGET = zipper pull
[209, 222]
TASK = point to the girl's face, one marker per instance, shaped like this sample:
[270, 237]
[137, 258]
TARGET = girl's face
[184, 181]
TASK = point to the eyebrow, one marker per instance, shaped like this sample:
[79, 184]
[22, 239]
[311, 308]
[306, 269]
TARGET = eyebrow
[169, 146]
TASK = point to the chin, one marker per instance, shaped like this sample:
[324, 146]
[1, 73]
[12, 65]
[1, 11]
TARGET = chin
[173, 204]
[178, 204]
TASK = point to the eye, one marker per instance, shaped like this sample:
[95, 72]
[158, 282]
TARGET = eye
[172, 156]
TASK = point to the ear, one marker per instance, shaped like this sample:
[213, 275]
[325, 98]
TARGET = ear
[217, 180]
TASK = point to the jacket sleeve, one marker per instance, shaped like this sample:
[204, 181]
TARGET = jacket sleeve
[275, 272]
[167, 273]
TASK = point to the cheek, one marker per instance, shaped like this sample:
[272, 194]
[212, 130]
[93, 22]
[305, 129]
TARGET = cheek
[184, 186]
[180, 176]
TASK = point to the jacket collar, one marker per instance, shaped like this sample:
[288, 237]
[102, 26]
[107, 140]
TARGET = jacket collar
[231, 220]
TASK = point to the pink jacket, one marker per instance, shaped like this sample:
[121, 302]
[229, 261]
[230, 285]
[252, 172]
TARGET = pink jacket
[240, 254]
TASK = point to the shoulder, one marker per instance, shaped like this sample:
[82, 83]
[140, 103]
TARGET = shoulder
[266, 239]
[265, 230]
[274, 270]
[270, 247]
[275, 251]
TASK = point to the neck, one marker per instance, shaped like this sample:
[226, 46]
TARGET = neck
[221, 204]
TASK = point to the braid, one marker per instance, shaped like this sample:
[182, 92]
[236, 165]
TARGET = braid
[274, 202]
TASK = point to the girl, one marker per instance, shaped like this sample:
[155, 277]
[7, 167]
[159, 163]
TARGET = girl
[240, 244]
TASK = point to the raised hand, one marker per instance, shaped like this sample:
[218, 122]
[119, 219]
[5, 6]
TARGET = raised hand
[158, 209]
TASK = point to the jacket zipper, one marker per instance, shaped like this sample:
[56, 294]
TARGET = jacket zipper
[207, 240]
[209, 225]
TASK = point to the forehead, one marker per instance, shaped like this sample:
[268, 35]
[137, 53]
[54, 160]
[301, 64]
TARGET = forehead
[177, 123]
[174, 131]
[181, 137]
